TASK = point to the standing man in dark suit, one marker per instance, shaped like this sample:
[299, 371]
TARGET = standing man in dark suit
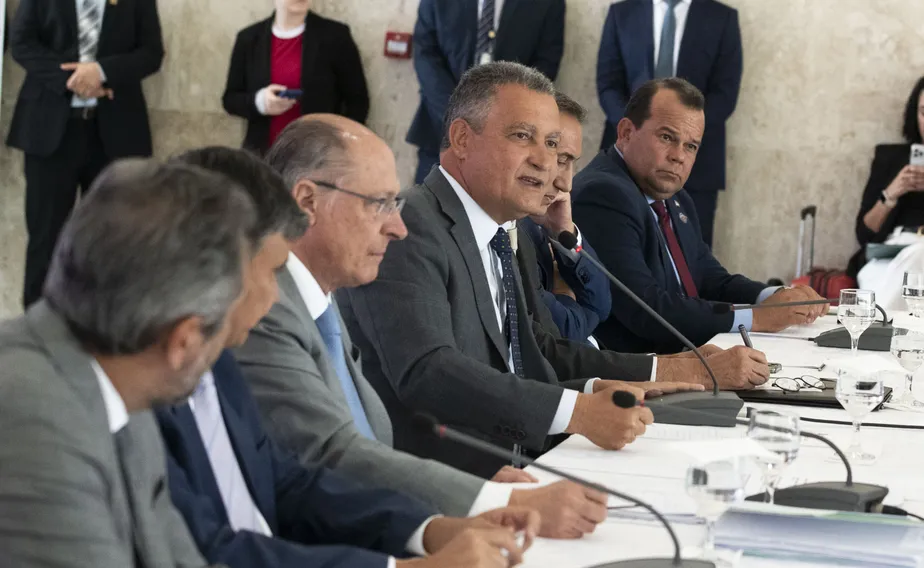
[135, 310]
[698, 40]
[576, 294]
[631, 202]
[452, 35]
[80, 107]
[445, 329]
[294, 49]
[247, 501]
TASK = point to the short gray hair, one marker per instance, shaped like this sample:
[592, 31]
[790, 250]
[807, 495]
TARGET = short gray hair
[571, 107]
[471, 100]
[306, 147]
[151, 245]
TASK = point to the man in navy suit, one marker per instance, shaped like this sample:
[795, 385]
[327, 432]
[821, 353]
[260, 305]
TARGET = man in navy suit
[698, 40]
[631, 202]
[576, 294]
[249, 503]
[452, 35]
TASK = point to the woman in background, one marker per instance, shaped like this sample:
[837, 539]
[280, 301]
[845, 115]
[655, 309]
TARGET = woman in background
[894, 194]
[294, 49]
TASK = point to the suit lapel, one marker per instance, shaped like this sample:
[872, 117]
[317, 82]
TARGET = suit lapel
[196, 454]
[683, 228]
[263, 47]
[506, 24]
[106, 29]
[139, 488]
[68, 9]
[310, 45]
[468, 15]
[690, 34]
[641, 19]
[462, 234]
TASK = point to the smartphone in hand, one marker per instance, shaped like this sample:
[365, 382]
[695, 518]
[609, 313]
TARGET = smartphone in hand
[290, 94]
[917, 155]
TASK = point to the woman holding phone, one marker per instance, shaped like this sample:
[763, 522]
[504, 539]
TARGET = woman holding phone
[293, 63]
[894, 194]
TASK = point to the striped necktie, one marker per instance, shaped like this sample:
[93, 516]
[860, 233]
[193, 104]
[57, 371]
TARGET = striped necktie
[484, 45]
[89, 21]
[665, 65]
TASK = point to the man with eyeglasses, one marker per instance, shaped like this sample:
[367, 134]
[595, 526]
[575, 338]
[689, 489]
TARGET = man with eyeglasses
[303, 367]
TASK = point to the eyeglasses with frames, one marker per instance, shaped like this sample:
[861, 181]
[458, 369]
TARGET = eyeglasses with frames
[384, 206]
[795, 384]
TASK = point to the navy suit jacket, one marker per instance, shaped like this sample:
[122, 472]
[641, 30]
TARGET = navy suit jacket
[531, 32]
[710, 58]
[576, 318]
[344, 524]
[613, 212]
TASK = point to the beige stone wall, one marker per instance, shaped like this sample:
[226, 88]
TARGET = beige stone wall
[824, 81]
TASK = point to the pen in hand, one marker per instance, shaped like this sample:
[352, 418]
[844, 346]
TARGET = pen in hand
[745, 337]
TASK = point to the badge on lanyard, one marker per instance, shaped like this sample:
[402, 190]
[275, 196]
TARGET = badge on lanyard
[485, 58]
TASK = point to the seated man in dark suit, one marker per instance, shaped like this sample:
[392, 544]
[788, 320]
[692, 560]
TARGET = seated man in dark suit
[576, 294]
[250, 503]
[445, 328]
[452, 35]
[630, 201]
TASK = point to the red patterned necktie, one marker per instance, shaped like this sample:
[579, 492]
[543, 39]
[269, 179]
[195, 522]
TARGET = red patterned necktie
[673, 245]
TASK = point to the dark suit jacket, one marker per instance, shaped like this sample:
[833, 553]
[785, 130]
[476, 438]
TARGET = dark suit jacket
[332, 75]
[44, 35]
[613, 212]
[710, 58]
[343, 524]
[576, 318]
[531, 32]
[430, 341]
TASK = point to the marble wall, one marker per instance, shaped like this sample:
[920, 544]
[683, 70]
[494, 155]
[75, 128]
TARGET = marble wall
[825, 80]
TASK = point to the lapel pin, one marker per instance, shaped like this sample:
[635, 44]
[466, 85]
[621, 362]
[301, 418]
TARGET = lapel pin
[113, 2]
[683, 218]
[677, 203]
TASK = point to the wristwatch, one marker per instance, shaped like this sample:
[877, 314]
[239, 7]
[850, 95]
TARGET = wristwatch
[887, 201]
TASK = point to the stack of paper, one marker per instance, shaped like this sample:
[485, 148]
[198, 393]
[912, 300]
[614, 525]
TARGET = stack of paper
[822, 536]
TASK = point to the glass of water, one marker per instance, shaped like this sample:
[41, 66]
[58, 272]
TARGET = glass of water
[913, 292]
[714, 487]
[779, 434]
[859, 395]
[856, 310]
[908, 348]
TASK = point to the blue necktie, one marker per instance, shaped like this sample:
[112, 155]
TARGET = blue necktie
[501, 245]
[484, 39]
[665, 65]
[329, 326]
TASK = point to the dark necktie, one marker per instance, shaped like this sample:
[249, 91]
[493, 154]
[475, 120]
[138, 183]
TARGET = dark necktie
[501, 245]
[673, 245]
[485, 39]
[665, 64]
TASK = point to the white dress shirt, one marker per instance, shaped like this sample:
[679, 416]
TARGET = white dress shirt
[680, 22]
[116, 413]
[78, 102]
[498, 8]
[492, 495]
[484, 228]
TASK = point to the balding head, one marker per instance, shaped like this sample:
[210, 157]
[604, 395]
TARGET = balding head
[344, 178]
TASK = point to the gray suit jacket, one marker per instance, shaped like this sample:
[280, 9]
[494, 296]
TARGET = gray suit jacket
[63, 501]
[430, 341]
[302, 404]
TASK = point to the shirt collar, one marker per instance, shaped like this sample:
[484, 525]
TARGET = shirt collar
[308, 288]
[116, 412]
[483, 225]
[205, 382]
[288, 34]
[680, 3]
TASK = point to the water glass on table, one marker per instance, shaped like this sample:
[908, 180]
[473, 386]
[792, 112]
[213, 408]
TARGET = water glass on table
[714, 487]
[856, 311]
[913, 292]
[779, 434]
[908, 349]
[859, 394]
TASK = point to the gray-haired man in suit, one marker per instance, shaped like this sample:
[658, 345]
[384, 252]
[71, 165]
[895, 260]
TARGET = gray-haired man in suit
[134, 312]
[302, 366]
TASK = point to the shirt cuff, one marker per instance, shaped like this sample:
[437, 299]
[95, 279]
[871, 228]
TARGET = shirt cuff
[102, 74]
[654, 369]
[392, 563]
[415, 545]
[577, 233]
[743, 317]
[493, 495]
[564, 412]
[260, 101]
[589, 385]
[766, 293]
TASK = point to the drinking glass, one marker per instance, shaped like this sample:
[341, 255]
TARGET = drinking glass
[908, 348]
[779, 434]
[913, 292]
[715, 486]
[856, 310]
[859, 395]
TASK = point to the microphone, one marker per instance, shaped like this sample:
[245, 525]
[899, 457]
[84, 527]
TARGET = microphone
[724, 308]
[428, 423]
[721, 408]
[877, 337]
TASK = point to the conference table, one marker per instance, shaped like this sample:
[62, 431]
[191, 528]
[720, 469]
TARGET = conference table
[654, 467]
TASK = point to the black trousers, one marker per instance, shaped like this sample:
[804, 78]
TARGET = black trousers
[705, 202]
[52, 186]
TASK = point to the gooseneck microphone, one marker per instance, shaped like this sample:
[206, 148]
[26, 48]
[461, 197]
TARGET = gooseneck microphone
[685, 408]
[724, 307]
[429, 423]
